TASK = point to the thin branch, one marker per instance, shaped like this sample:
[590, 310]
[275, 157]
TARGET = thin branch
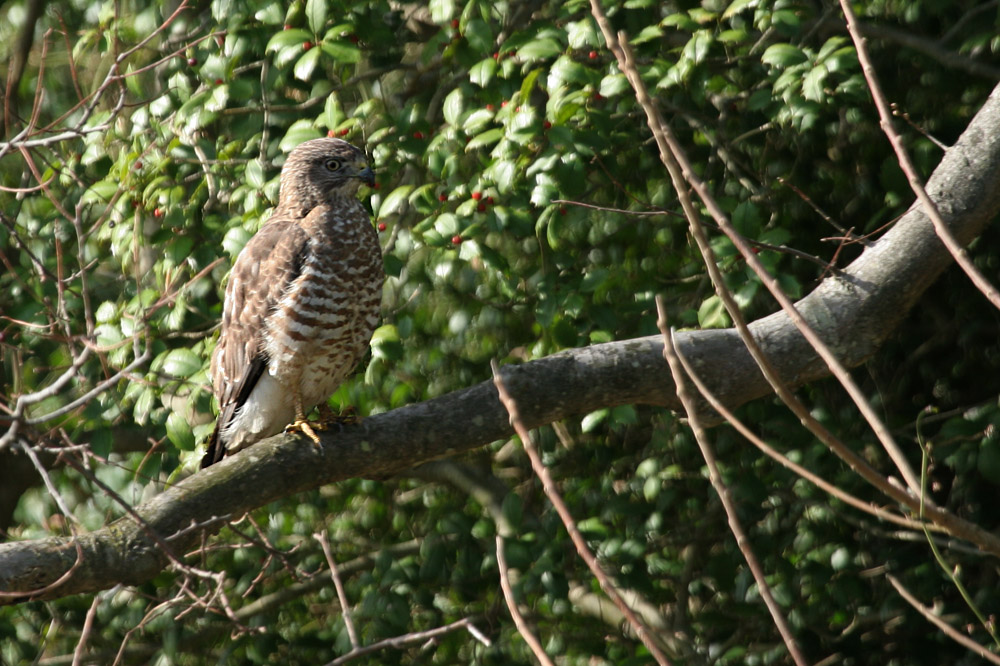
[808, 475]
[906, 164]
[715, 477]
[399, 642]
[948, 630]
[508, 595]
[681, 170]
[548, 486]
[88, 625]
[345, 607]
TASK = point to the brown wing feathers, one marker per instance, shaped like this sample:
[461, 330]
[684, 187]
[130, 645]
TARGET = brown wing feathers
[271, 260]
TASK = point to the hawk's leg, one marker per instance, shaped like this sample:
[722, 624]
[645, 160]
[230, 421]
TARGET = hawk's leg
[301, 424]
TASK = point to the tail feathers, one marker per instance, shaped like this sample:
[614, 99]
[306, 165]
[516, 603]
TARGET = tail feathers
[216, 450]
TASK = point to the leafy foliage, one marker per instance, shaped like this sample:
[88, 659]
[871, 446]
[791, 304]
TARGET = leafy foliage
[523, 210]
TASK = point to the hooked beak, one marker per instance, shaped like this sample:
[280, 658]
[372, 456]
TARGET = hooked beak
[367, 176]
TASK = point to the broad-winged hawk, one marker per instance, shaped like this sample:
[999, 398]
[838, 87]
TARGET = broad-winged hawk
[302, 301]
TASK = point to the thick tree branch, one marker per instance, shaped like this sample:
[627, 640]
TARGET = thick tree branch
[853, 312]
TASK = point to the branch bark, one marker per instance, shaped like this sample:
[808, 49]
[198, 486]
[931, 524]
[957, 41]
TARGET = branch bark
[853, 312]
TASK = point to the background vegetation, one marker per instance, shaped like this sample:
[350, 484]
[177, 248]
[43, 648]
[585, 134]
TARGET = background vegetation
[523, 210]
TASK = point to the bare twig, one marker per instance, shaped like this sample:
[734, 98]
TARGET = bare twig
[88, 625]
[808, 475]
[948, 630]
[345, 607]
[681, 170]
[415, 637]
[906, 164]
[548, 485]
[742, 541]
[522, 626]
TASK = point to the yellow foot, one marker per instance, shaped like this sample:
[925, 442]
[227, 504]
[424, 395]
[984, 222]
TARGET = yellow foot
[306, 428]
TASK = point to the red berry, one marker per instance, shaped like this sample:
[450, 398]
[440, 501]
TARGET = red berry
[503, 103]
[517, 109]
[562, 210]
[477, 195]
[375, 186]
[307, 45]
[381, 226]
[481, 207]
[442, 197]
[137, 166]
[496, 55]
[454, 23]
[547, 125]
[331, 133]
[192, 61]
[157, 212]
[354, 39]
[288, 26]
[418, 135]
[489, 200]
[598, 97]
[345, 132]
[456, 240]
[490, 107]
[219, 82]
[592, 55]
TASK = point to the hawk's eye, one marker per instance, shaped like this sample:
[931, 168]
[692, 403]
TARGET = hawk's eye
[332, 164]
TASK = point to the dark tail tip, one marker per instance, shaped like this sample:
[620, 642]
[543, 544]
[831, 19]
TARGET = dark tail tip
[216, 449]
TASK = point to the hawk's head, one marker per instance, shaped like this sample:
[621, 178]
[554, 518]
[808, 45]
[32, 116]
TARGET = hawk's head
[321, 169]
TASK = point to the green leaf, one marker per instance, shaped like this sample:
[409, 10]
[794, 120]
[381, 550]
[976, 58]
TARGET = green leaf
[783, 55]
[285, 38]
[454, 104]
[712, 313]
[581, 34]
[181, 363]
[254, 174]
[698, 46]
[441, 10]
[479, 36]
[108, 311]
[503, 173]
[812, 85]
[648, 34]
[316, 15]
[393, 203]
[593, 528]
[482, 72]
[234, 240]
[478, 120]
[307, 64]
[593, 419]
[737, 6]
[341, 51]
[179, 432]
[272, 14]
[300, 131]
[539, 49]
[487, 138]
[614, 85]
